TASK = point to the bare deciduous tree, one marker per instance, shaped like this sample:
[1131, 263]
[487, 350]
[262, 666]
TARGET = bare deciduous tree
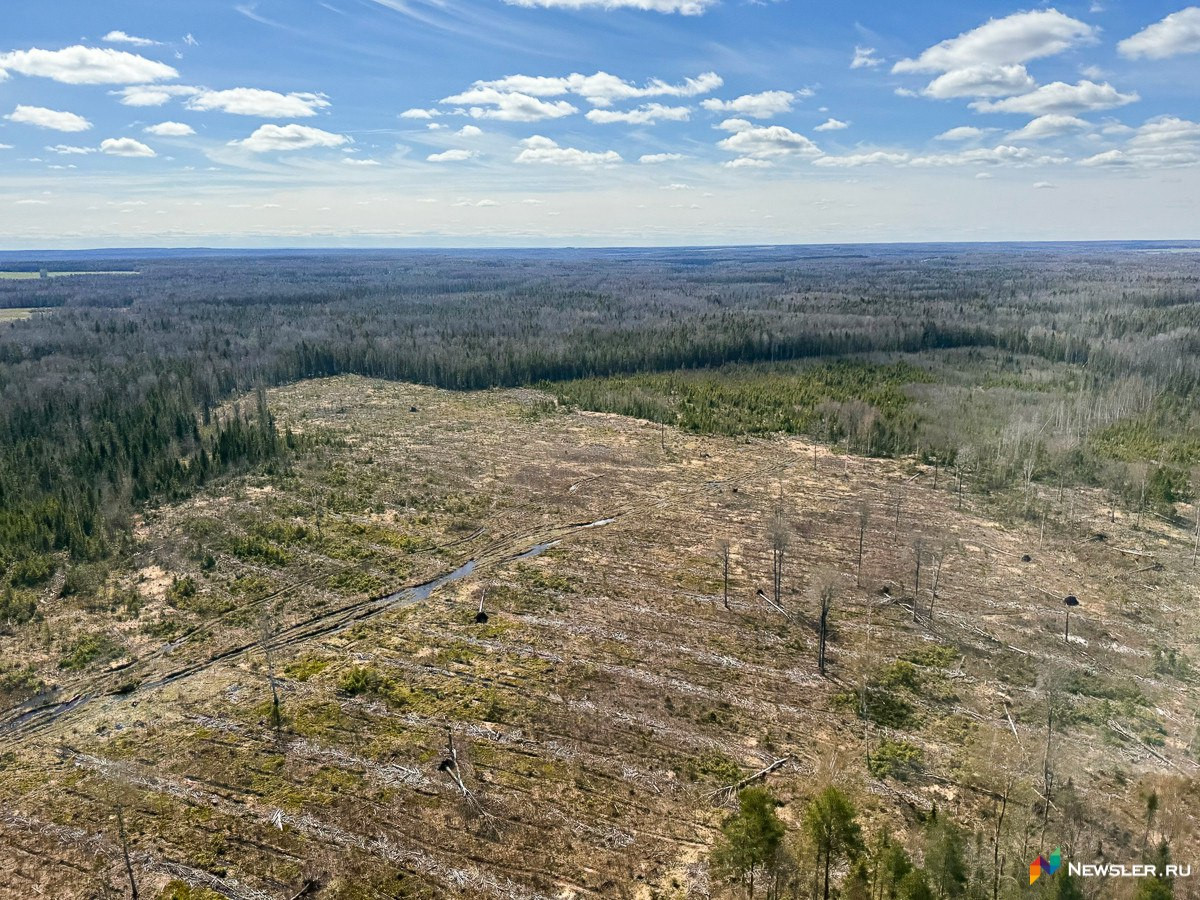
[825, 591]
[779, 535]
[864, 519]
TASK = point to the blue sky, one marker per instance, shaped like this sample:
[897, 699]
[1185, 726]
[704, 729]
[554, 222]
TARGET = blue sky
[551, 122]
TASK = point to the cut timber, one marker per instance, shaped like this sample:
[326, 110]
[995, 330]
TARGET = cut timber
[729, 791]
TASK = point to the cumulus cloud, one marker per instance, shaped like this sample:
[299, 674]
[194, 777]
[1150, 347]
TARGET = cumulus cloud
[1001, 155]
[351, 161]
[599, 89]
[683, 7]
[86, 65]
[289, 137]
[469, 131]
[1060, 97]
[1017, 38]
[510, 106]
[70, 150]
[120, 37]
[985, 80]
[451, 156]
[757, 106]
[647, 114]
[420, 114]
[170, 129]
[539, 149]
[961, 133]
[748, 162]
[854, 160]
[764, 142]
[126, 147]
[832, 124]
[53, 119]
[1165, 141]
[654, 158]
[865, 58]
[154, 94]
[1175, 35]
[257, 102]
[1049, 126]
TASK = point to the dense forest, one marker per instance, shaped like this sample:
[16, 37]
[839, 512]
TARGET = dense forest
[116, 390]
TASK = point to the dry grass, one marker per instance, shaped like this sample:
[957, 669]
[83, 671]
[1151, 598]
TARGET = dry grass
[609, 694]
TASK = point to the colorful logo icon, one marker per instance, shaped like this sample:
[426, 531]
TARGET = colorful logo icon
[1042, 866]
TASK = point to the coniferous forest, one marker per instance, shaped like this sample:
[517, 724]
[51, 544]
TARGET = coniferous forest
[111, 389]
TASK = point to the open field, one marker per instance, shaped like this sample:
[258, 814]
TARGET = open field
[610, 697]
[16, 314]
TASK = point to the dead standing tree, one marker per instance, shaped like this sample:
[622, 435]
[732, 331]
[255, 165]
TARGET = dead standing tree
[825, 591]
[723, 550]
[780, 537]
[266, 625]
[864, 520]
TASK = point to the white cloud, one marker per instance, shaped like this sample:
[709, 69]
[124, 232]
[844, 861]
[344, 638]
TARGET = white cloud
[125, 147]
[86, 65]
[878, 157]
[539, 149]
[984, 80]
[757, 106]
[510, 106]
[748, 162]
[676, 186]
[154, 94]
[764, 142]
[865, 58]
[170, 129]
[1107, 158]
[451, 156]
[289, 137]
[420, 114]
[654, 158]
[961, 133]
[1001, 155]
[1060, 97]
[120, 37]
[69, 150]
[599, 89]
[1048, 126]
[53, 119]
[683, 7]
[1045, 185]
[351, 161]
[190, 41]
[469, 131]
[1017, 38]
[1177, 34]
[647, 114]
[832, 124]
[1165, 141]
[257, 102]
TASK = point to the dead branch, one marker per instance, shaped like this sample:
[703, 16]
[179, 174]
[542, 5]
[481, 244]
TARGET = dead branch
[730, 790]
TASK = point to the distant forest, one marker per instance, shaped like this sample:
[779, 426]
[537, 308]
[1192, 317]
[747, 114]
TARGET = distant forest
[119, 392]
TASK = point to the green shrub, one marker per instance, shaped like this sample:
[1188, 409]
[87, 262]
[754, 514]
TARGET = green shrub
[895, 759]
[363, 681]
[89, 649]
[17, 607]
[31, 571]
